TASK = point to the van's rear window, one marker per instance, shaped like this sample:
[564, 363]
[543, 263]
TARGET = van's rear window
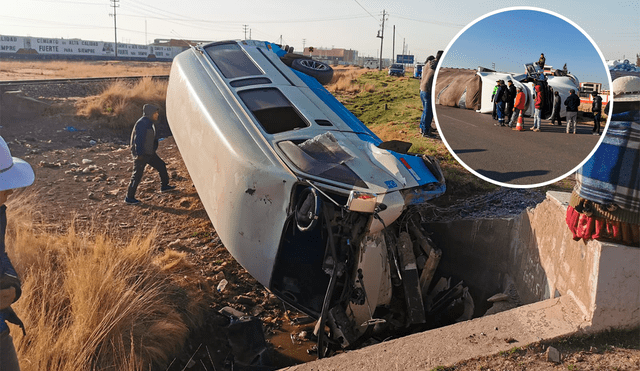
[232, 60]
[272, 109]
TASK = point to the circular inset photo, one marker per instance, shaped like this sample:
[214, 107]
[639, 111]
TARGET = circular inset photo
[520, 95]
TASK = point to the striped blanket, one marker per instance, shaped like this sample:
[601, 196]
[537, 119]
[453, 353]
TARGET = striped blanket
[612, 174]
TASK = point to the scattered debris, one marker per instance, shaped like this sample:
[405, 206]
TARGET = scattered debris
[222, 285]
[246, 337]
[50, 164]
[553, 355]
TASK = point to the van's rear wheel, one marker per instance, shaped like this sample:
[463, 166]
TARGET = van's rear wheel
[316, 69]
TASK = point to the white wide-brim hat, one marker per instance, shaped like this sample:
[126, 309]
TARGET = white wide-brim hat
[14, 172]
[626, 89]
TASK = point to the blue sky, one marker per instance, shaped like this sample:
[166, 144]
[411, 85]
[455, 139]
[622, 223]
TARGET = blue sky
[424, 25]
[511, 38]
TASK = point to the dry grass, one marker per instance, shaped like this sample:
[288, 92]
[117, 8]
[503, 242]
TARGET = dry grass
[121, 103]
[52, 69]
[90, 303]
[345, 81]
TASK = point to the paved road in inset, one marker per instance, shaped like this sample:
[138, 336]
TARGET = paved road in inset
[514, 157]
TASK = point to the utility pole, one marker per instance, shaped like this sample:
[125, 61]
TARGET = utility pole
[393, 49]
[381, 36]
[244, 26]
[304, 42]
[114, 5]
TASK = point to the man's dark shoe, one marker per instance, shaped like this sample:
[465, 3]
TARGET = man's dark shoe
[131, 201]
[167, 188]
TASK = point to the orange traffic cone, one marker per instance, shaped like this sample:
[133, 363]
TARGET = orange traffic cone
[519, 125]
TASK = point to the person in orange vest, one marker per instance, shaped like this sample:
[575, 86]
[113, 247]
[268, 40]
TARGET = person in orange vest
[518, 107]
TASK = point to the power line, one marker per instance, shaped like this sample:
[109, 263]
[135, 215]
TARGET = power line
[365, 10]
[57, 2]
[446, 24]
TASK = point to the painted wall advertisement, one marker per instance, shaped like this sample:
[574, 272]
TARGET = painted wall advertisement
[77, 47]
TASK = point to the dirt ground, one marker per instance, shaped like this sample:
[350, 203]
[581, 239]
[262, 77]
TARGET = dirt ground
[82, 171]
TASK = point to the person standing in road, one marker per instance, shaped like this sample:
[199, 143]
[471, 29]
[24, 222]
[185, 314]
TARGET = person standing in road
[510, 101]
[555, 114]
[14, 173]
[500, 100]
[596, 108]
[572, 102]
[428, 71]
[494, 114]
[537, 113]
[518, 107]
[144, 144]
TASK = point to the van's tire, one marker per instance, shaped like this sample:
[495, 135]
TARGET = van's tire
[316, 69]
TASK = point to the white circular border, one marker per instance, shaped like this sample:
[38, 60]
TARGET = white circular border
[604, 64]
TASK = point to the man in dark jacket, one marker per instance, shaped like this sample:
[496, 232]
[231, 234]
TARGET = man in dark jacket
[555, 114]
[510, 99]
[500, 99]
[541, 61]
[14, 173]
[572, 102]
[596, 108]
[143, 148]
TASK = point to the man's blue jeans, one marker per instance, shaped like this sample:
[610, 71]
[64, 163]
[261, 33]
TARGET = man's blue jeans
[537, 113]
[427, 113]
[500, 112]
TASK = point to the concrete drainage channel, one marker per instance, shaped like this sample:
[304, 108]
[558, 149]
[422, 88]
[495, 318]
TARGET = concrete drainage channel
[560, 287]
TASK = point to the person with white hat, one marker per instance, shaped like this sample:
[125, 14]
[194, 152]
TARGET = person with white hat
[605, 202]
[14, 173]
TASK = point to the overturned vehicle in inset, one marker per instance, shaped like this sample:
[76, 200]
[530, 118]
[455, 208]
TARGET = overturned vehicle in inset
[303, 195]
[473, 89]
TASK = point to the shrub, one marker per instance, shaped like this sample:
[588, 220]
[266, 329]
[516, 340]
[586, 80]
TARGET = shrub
[121, 102]
[90, 303]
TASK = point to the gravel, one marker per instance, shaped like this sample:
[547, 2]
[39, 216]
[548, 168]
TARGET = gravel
[504, 202]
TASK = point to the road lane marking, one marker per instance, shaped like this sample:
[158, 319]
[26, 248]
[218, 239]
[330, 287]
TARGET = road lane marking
[464, 122]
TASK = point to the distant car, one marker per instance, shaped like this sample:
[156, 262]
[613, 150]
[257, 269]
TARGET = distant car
[417, 70]
[298, 189]
[396, 69]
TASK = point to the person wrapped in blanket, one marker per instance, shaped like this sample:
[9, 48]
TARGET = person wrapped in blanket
[605, 202]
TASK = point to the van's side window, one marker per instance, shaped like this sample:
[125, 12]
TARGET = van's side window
[272, 109]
